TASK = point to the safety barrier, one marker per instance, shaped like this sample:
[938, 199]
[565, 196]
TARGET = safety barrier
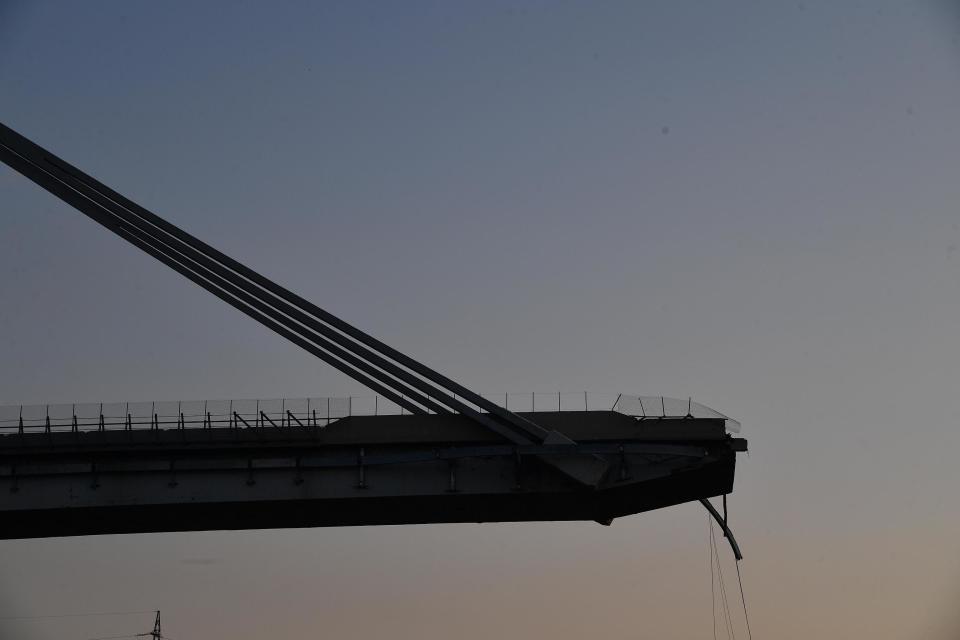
[312, 412]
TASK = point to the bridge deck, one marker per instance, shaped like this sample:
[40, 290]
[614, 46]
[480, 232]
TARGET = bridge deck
[356, 471]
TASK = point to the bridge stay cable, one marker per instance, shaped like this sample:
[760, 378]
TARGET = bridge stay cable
[379, 367]
[90, 209]
[277, 309]
[95, 209]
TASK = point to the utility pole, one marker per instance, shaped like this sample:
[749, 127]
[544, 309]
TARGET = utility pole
[155, 634]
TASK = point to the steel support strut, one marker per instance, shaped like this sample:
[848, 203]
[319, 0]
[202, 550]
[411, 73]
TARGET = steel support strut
[727, 533]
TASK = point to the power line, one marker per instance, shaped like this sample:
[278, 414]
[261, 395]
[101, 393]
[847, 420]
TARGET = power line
[155, 633]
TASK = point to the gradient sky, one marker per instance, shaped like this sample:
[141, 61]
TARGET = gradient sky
[753, 203]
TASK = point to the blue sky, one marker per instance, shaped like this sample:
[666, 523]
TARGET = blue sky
[751, 203]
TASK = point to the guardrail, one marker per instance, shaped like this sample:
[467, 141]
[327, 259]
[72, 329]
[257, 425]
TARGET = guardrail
[311, 412]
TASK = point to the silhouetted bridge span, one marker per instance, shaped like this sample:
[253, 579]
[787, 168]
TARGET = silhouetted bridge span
[294, 467]
[455, 456]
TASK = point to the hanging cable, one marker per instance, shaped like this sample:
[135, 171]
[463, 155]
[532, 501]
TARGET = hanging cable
[728, 619]
[737, 558]
[744, 601]
[713, 595]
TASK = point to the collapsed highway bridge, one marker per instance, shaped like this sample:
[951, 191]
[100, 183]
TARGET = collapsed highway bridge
[447, 454]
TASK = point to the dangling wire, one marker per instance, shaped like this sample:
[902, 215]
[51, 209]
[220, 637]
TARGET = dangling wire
[713, 595]
[717, 570]
[744, 601]
[728, 619]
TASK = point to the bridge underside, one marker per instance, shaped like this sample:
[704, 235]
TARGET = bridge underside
[357, 471]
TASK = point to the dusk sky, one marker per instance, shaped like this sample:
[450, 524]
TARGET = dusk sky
[756, 204]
